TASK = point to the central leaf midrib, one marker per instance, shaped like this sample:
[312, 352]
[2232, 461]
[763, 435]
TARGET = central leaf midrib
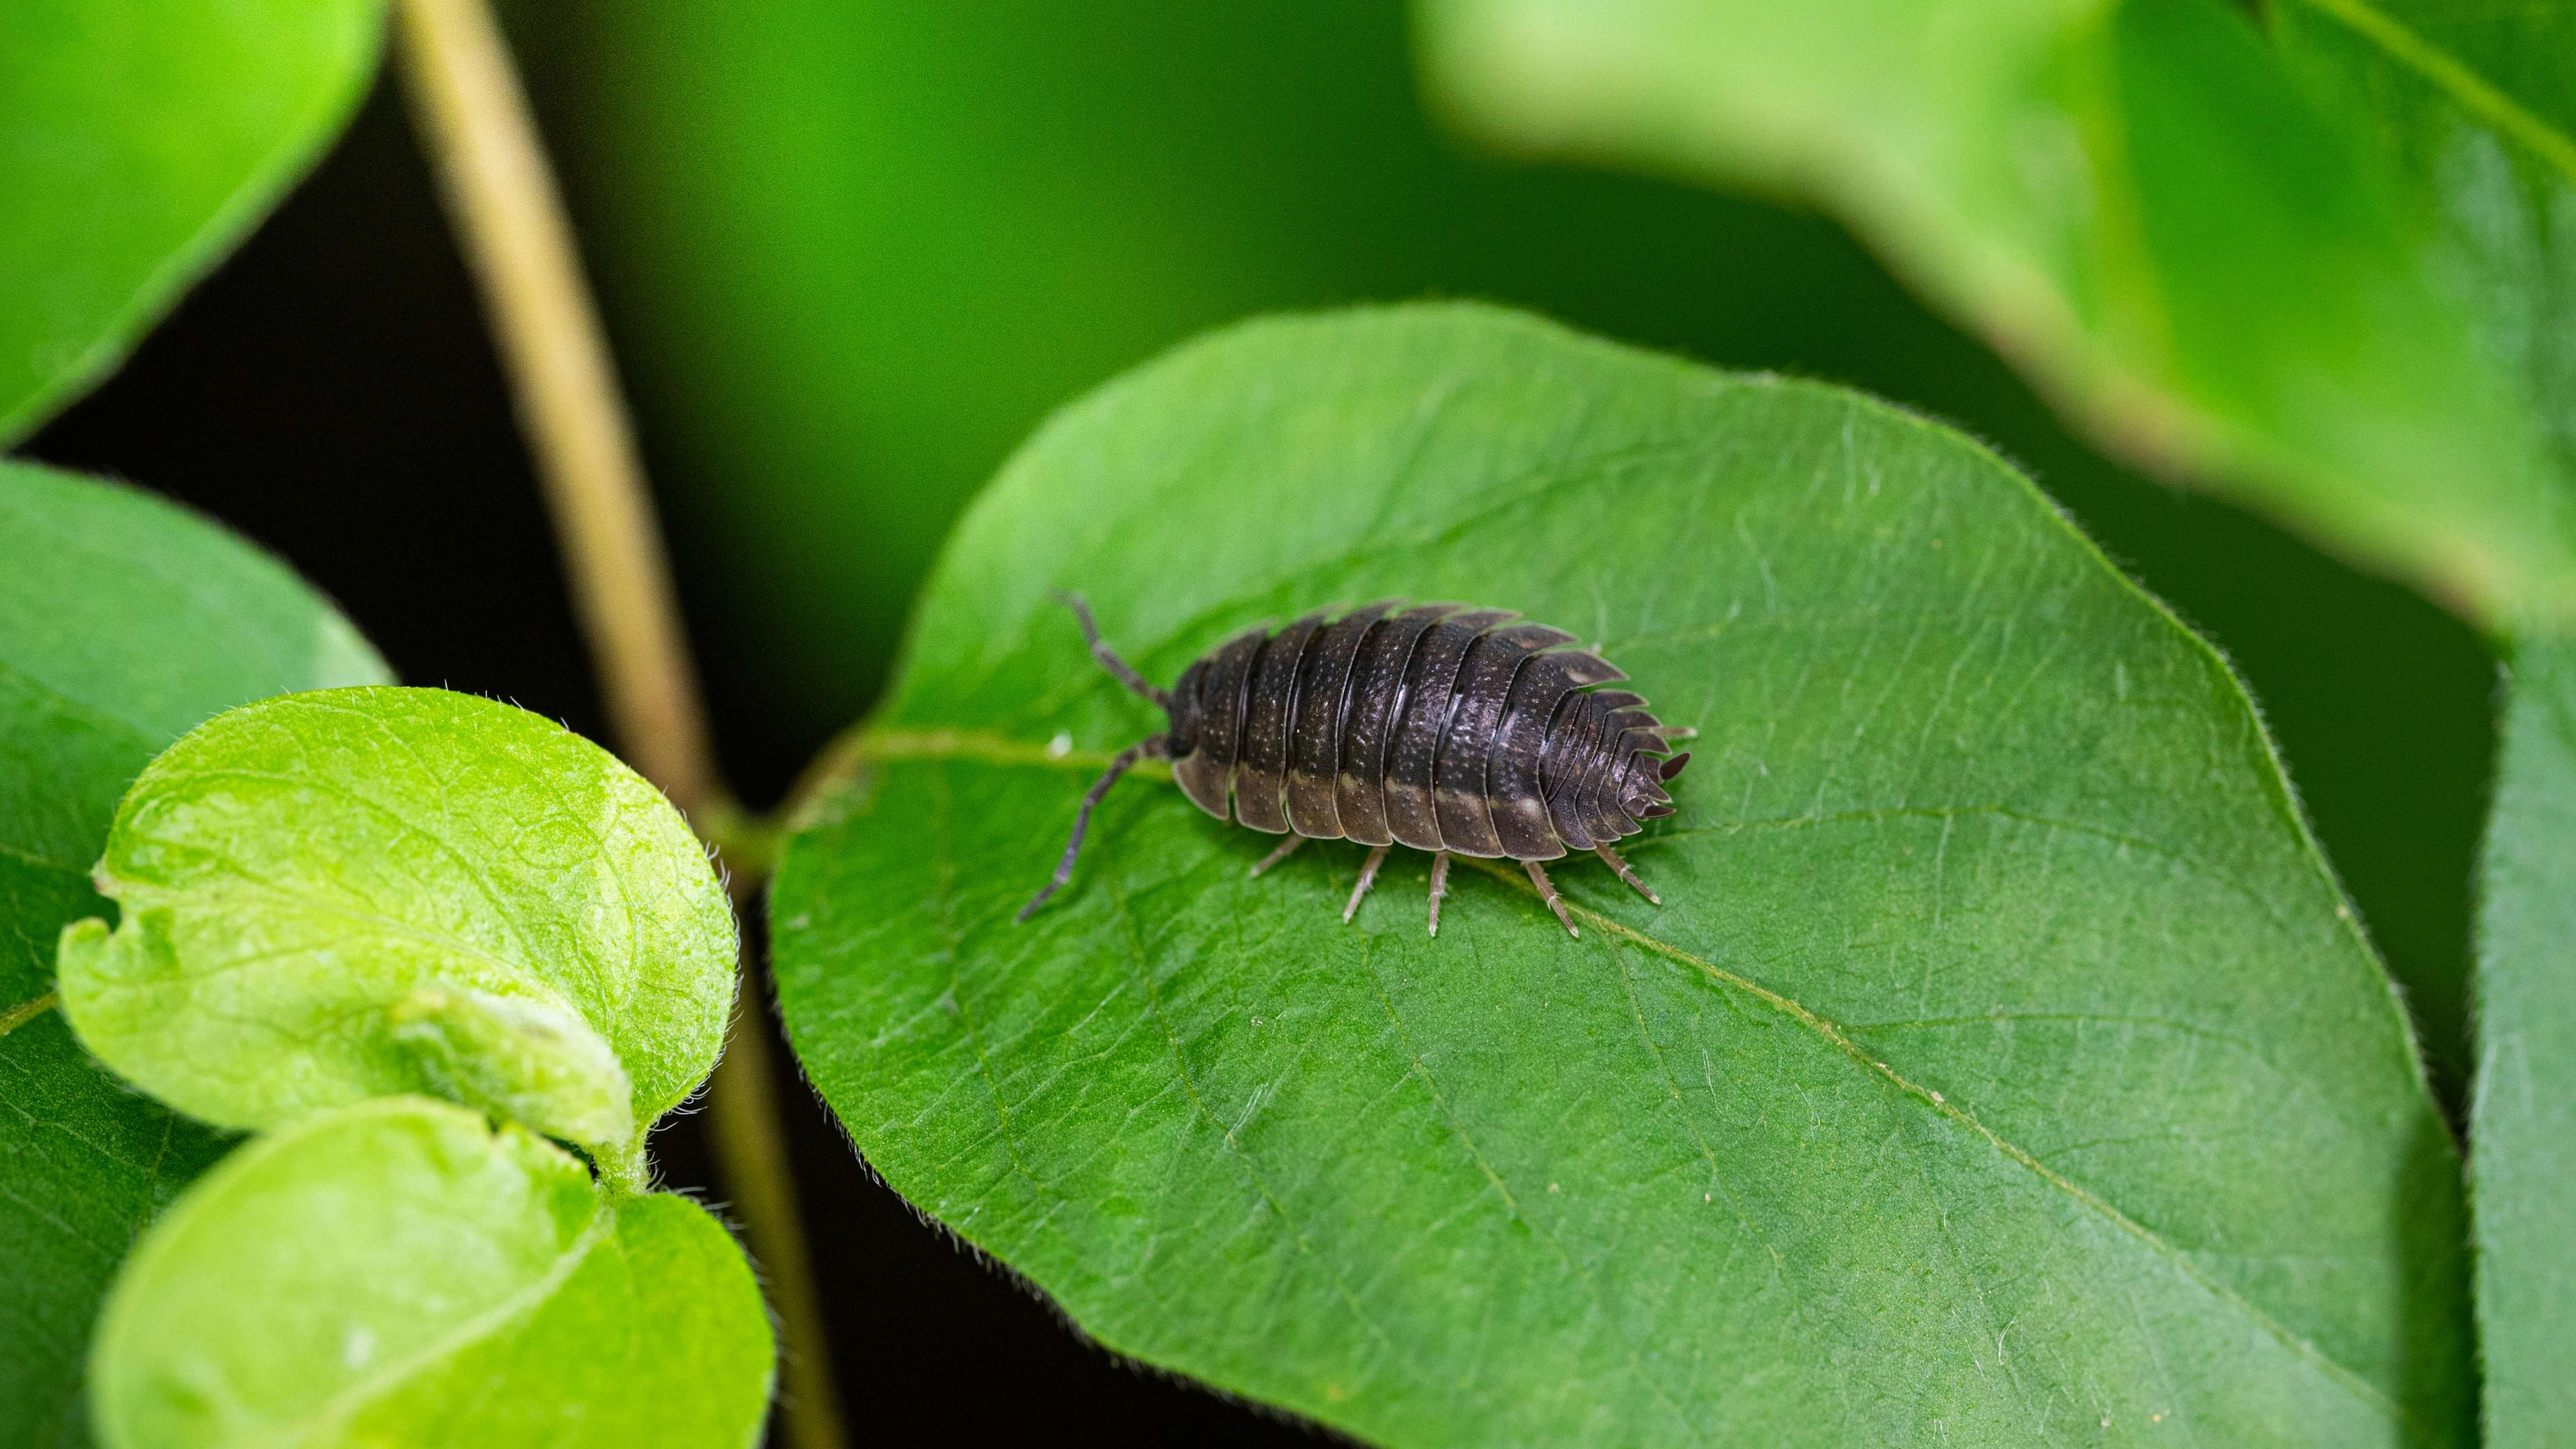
[334, 1413]
[1834, 1034]
[2455, 79]
[27, 1011]
[987, 747]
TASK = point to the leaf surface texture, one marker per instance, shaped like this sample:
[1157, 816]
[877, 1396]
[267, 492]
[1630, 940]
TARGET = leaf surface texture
[2004, 1065]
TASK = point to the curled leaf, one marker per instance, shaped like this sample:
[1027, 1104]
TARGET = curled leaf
[2524, 1125]
[522, 1059]
[351, 893]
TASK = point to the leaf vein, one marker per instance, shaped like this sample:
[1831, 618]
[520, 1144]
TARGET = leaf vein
[1835, 1035]
[2448, 74]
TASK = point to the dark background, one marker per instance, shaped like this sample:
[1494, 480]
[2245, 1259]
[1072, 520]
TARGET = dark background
[850, 253]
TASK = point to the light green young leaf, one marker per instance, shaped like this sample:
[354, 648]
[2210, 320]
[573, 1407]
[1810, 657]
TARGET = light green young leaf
[523, 1059]
[399, 1273]
[123, 622]
[350, 893]
[2003, 1066]
[2143, 205]
[2523, 1122]
[140, 140]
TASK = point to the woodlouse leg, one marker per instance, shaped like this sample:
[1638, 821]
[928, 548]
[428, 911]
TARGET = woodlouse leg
[1630, 876]
[1273, 858]
[1368, 877]
[1150, 747]
[1118, 668]
[1547, 893]
[1439, 886]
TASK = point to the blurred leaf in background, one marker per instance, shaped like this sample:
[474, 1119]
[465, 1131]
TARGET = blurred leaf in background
[853, 252]
[2468, 112]
[2146, 203]
[140, 140]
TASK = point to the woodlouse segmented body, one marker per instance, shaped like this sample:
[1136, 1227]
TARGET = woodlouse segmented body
[1447, 728]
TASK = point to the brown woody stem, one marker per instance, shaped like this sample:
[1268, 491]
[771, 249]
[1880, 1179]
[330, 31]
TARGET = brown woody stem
[474, 121]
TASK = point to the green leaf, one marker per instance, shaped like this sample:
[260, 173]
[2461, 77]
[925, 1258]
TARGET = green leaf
[123, 622]
[397, 1272]
[2524, 1120]
[2002, 1067]
[85, 1165]
[350, 893]
[2471, 111]
[1064, 188]
[2149, 208]
[140, 140]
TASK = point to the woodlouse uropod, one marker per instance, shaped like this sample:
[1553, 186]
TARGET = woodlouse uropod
[1443, 727]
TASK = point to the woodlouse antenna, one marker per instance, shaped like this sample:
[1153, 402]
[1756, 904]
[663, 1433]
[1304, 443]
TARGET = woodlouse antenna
[1148, 748]
[1118, 668]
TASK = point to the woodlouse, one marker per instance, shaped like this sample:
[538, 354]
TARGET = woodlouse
[1443, 727]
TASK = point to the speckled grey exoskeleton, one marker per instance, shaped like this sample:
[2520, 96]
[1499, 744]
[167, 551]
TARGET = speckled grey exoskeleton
[1447, 728]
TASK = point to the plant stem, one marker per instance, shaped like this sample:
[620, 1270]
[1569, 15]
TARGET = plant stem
[473, 119]
[751, 1158]
[511, 224]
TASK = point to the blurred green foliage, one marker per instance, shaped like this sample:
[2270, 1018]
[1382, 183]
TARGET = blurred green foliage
[2184, 218]
[853, 252]
[133, 158]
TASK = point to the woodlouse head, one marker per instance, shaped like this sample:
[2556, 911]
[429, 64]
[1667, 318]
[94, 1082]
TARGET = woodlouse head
[1182, 738]
[1201, 777]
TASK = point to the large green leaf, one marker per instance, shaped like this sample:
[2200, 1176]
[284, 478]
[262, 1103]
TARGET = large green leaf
[855, 250]
[2142, 202]
[2004, 1065]
[123, 622]
[2524, 1125]
[398, 1273]
[139, 141]
[351, 893]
